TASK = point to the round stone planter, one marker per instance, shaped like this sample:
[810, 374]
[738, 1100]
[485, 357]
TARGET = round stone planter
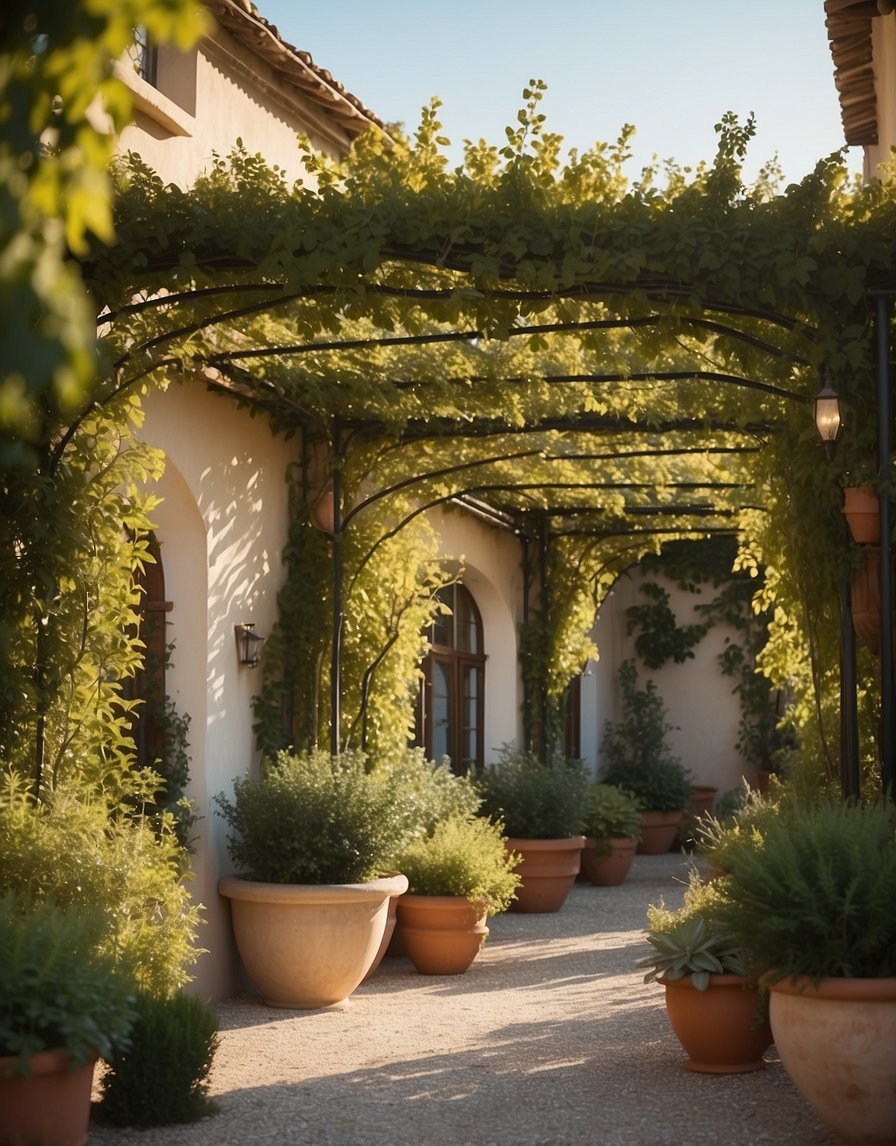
[305, 945]
[608, 870]
[836, 1040]
[718, 1027]
[548, 870]
[442, 934]
[51, 1107]
[658, 832]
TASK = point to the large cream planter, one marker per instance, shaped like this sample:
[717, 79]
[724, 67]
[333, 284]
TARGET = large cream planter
[304, 945]
[837, 1041]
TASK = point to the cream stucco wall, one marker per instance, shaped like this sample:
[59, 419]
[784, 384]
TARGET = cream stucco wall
[883, 41]
[222, 526]
[207, 99]
[492, 572]
[698, 699]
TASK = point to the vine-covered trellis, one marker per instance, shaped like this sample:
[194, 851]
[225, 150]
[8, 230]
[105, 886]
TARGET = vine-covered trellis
[597, 364]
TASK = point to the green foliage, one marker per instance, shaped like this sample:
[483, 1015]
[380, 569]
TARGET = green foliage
[813, 892]
[533, 799]
[739, 818]
[661, 638]
[611, 812]
[635, 752]
[424, 792]
[82, 848]
[161, 1078]
[690, 940]
[56, 193]
[60, 990]
[312, 818]
[463, 855]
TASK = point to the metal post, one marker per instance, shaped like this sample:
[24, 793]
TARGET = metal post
[336, 651]
[884, 447]
[849, 719]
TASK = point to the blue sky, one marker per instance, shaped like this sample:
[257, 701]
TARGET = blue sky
[670, 67]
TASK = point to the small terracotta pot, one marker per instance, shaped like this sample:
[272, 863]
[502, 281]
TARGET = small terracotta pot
[865, 588]
[703, 797]
[836, 1040]
[608, 870]
[51, 1107]
[548, 870]
[658, 832]
[861, 508]
[718, 1027]
[442, 934]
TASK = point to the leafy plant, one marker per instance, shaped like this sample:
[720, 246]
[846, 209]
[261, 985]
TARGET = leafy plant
[660, 638]
[60, 990]
[690, 940]
[611, 812]
[635, 752]
[161, 1078]
[812, 893]
[462, 856]
[533, 799]
[313, 818]
[426, 792]
[82, 849]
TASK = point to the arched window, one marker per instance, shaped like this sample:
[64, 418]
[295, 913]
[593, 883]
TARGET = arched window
[451, 704]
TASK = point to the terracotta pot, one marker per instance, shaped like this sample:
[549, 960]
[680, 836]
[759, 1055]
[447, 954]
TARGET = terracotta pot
[763, 781]
[389, 933]
[861, 508]
[865, 588]
[718, 1027]
[608, 870]
[548, 870]
[309, 946]
[51, 1107]
[836, 1040]
[703, 796]
[442, 934]
[658, 832]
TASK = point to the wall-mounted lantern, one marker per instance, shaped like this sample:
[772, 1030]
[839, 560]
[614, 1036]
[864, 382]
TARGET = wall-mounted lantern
[827, 414]
[248, 644]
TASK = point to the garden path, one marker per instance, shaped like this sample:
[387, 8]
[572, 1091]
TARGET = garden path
[551, 1038]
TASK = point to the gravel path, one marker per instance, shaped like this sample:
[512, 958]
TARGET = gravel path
[551, 1038]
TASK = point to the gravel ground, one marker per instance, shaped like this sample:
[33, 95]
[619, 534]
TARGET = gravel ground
[551, 1038]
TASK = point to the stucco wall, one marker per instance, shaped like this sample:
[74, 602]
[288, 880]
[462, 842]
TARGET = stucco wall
[698, 698]
[222, 527]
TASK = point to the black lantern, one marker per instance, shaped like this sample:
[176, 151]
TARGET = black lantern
[248, 644]
[827, 414]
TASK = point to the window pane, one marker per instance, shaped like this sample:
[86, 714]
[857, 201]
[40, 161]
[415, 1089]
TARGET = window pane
[466, 623]
[441, 711]
[469, 717]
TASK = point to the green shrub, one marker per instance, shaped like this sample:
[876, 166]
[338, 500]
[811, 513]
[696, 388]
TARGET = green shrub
[59, 991]
[463, 856]
[313, 818]
[635, 751]
[611, 813]
[79, 848]
[812, 892]
[532, 799]
[425, 792]
[162, 1078]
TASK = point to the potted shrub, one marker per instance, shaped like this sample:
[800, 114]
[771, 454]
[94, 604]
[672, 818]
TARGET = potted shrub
[63, 1004]
[813, 893]
[612, 829]
[458, 876]
[714, 1008]
[636, 756]
[541, 805]
[311, 839]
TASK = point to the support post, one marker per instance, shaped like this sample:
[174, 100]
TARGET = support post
[336, 650]
[884, 448]
[849, 719]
